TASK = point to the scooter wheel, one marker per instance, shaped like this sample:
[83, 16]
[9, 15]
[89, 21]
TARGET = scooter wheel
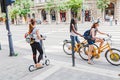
[47, 62]
[31, 68]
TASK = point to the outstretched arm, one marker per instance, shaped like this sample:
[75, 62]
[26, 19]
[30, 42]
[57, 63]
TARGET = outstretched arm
[38, 35]
[73, 28]
[102, 33]
[93, 34]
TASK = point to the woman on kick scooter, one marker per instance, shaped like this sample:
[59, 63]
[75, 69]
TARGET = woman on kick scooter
[35, 43]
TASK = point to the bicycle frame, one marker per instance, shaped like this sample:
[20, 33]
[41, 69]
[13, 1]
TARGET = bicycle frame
[101, 49]
[77, 45]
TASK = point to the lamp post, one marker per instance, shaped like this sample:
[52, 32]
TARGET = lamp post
[4, 7]
[0, 46]
[12, 53]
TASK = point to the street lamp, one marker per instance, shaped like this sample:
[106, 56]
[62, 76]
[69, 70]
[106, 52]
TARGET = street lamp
[4, 7]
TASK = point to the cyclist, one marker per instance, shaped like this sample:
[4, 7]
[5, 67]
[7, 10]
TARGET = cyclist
[93, 31]
[74, 33]
[36, 44]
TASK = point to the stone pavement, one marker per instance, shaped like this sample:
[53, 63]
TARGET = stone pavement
[16, 68]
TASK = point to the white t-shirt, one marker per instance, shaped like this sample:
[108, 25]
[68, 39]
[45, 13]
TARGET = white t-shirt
[34, 35]
[72, 33]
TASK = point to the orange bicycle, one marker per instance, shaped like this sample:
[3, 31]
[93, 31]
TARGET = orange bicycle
[112, 55]
[79, 47]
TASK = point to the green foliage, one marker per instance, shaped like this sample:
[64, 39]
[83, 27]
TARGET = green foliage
[49, 4]
[64, 5]
[57, 5]
[20, 7]
[74, 5]
[26, 5]
[102, 4]
[14, 11]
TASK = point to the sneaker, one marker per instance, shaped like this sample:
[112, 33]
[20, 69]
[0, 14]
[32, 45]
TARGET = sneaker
[38, 65]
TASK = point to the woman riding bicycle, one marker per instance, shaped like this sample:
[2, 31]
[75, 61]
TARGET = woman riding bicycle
[93, 31]
[73, 35]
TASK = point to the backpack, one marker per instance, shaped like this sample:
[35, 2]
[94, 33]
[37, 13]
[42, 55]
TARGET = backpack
[29, 39]
[87, 35]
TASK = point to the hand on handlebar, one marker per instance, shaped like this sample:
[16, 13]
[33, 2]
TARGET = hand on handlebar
[43, 37]
[81, 35]
[109, 35]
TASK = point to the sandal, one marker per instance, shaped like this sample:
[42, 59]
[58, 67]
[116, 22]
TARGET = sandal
[90, 63]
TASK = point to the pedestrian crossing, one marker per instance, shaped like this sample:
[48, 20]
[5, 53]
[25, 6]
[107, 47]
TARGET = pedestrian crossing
[57, 65]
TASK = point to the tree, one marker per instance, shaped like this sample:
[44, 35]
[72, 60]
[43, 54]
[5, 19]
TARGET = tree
[14, 12]
[25, 9]
[102, 4]
[74, 5]
[21, 7]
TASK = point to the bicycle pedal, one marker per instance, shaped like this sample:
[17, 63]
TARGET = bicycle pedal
[69, 48]
[97, 56]
[75, 49]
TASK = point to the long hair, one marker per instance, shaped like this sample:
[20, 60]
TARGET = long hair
[72, 22]
[32, 23]
[94, 25]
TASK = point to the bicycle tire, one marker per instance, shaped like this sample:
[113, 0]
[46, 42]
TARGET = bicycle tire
[116, 59]
[84, 55]
[65, 48]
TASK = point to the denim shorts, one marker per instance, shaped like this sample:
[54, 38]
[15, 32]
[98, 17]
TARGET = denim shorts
[90, 42]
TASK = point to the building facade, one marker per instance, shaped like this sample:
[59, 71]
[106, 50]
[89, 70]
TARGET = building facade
[89, 12]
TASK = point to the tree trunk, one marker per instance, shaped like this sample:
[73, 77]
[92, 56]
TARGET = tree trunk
[25, 18]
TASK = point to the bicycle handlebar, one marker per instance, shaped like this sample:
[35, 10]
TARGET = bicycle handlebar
[43, 36]
[109, 38]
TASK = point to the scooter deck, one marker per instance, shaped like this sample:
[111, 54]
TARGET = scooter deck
[32, 68]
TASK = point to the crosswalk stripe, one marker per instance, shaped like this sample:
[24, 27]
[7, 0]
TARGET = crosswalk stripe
[47, 73]
[78, 67]
[89, 69]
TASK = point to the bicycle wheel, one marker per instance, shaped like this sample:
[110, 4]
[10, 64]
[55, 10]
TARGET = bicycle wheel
[83, 52]
[67, 48]
[114, 57]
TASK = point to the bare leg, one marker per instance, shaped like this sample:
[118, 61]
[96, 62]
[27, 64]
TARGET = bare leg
[90, 53]
[101, 42]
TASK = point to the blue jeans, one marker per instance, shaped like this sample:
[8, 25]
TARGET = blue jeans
[76, 39]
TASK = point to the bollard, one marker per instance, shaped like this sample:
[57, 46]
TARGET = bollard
[0, 46]
[115, 22]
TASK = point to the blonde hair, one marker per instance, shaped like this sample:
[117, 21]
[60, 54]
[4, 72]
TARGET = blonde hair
[32, 23]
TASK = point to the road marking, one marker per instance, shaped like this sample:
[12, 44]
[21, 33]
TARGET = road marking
[89, 69]
[47, 73]
[78, 67]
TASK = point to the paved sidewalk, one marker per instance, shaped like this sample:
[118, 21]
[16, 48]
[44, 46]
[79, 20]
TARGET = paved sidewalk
[16, 68]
